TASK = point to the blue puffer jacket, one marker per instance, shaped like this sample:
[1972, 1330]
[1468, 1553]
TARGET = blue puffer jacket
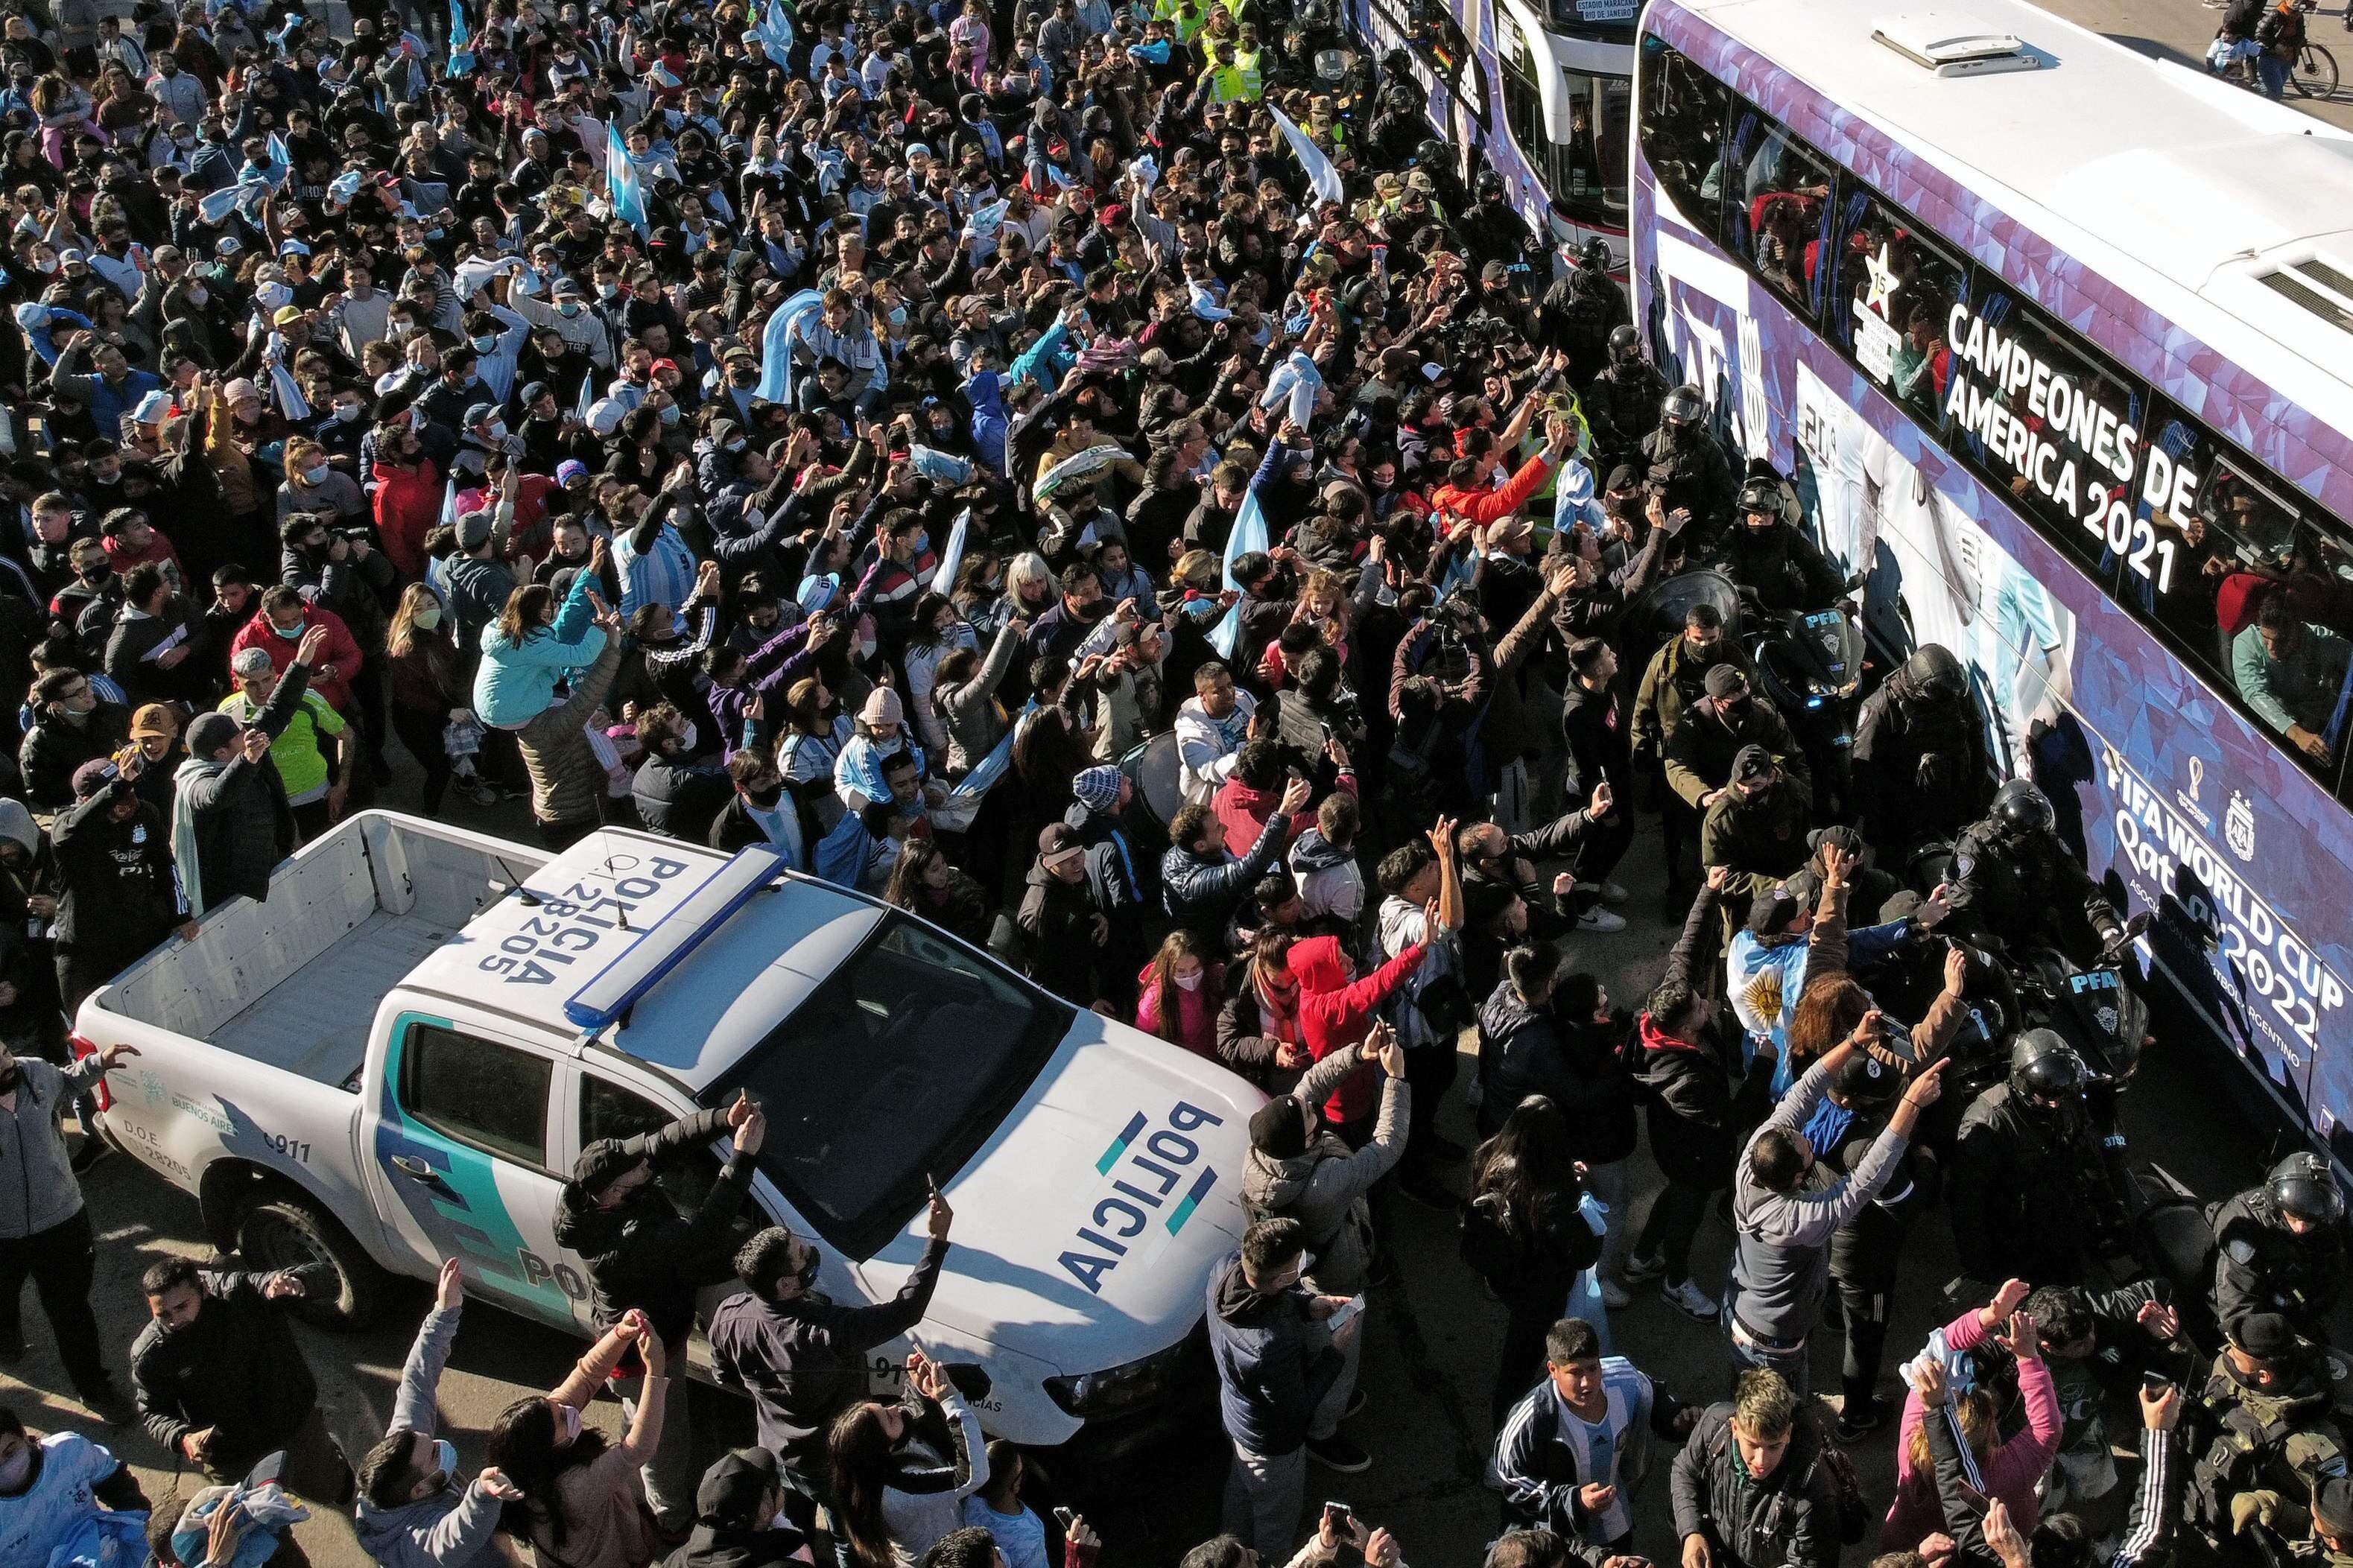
[1201, 892]
[1273, 1366]
[515, 682]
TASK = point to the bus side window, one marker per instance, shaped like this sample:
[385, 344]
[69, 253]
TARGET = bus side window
[1683, 133]
[2221, 546]
[1783, 201]
[1892, 290]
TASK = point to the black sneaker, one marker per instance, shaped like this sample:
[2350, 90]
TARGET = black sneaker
[1336, 1453]
[1426, 1189]
[1859, 1419]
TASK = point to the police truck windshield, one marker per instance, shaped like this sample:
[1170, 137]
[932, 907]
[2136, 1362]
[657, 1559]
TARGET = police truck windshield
[898, 1067]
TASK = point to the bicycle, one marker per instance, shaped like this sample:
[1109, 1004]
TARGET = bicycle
[2315, 73]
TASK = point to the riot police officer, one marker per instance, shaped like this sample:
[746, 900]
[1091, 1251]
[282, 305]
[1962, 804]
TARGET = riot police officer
[2278, 1249]
[1920, 765]
[1622, 402]
[1396, 129]
[2276, 1407]
[1769, 552]
[2011, 874]
[2033, 1180]
[1581, 315]
[1490, 230]
[1433, 158]
[1688, 470]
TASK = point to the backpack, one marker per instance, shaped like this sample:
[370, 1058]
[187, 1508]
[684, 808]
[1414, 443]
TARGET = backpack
[1488, 1242]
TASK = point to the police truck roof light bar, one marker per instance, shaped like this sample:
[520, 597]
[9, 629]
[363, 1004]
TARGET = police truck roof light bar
[658, 948]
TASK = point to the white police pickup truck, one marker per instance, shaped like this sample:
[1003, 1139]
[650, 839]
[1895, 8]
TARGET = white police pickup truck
[395, 1058]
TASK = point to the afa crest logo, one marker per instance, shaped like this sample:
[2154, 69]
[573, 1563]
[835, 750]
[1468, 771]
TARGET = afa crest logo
[2238, 827]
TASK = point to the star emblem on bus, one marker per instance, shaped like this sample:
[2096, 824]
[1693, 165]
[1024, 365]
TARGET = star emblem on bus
[1883, 282]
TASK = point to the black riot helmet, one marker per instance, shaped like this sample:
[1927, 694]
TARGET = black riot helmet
[1683, 405]
[1625, 345]
[1429, 154]
[1595, 258]
[2021, 809]
[2045, 1069]
[1760, 495]
[1932, 676]
[2302, 1187]
[1489, 185]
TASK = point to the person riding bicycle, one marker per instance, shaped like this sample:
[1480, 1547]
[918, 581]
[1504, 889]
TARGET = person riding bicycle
[2013, 878]
[1769, 554]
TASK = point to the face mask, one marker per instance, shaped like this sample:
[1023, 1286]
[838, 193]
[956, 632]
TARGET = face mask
[428, 617]
[484, 345]
[568, 1417]
[348, 413]
[78, 718]
[18, 1466]
[288, 633]
[1188, 981]
[569, 307]
[670, 415]
[687, 739]
[608, 290]
[47, 265]
[445, 1458]
[1093, 613]
[498, 429]
[315, 475]
[766, 800]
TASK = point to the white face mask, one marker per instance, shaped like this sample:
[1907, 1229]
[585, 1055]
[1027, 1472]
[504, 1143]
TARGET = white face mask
[569, 1417]
[428, 617]
[348, 413]
[1188, 981]
[686, 742]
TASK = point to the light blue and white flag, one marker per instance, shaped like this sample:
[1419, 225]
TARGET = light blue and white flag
[1320, 175]
[776, 345]
[1248, 534]
[1572, 503]
[952, 557]
[622, 185]
[1297, 379]
[775, 31]
[292, 404]
[461, 42]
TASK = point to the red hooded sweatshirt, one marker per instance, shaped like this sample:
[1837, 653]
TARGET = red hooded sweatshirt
[1483, 504]
[1336, 1014]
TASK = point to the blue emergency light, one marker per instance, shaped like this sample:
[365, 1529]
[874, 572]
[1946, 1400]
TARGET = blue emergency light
[659, 948]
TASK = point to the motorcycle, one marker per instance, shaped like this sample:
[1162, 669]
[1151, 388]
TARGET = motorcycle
[1810, 665]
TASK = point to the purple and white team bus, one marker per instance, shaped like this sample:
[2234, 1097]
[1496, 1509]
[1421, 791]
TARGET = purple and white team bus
[2054, 342]
[1538, 90]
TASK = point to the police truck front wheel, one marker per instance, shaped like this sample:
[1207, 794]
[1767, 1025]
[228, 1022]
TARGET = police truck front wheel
[285, 1230]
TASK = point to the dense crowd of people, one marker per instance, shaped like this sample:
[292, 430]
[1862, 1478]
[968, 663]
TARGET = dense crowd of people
[1068, 471]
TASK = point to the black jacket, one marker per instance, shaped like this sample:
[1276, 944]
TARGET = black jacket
[678, 797]
[643, 1253]
[237, 1369]
[2030, 1190]
[2260, 1265]
[1524, 1050]
[1789, 1520]
[243, 825]
[53, 748]
[1695, 1113]
[119, 896]
[803, 1361]
[1920, 766]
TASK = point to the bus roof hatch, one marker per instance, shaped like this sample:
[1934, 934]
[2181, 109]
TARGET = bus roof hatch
[1953, 43]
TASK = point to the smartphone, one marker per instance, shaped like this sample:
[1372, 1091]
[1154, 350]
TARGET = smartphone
[1346, 1313]
[2155, 1383]
[1066, 1519]
[1337, 1518]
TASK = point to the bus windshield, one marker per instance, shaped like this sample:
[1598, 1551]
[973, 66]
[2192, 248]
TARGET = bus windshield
[895, 1068]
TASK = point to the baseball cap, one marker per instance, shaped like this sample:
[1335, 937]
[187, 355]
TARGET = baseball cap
[287, 315]
[1753, 763]
[1726, 681]
[154, 719]
[534, 392]
[734, 1489]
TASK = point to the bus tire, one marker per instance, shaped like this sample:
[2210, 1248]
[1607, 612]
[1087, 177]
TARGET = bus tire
[282, 1229]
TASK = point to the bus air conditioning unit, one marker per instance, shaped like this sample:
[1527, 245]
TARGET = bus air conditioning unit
[1952, 43]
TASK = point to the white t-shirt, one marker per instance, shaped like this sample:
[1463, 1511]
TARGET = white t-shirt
[61, 1496]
